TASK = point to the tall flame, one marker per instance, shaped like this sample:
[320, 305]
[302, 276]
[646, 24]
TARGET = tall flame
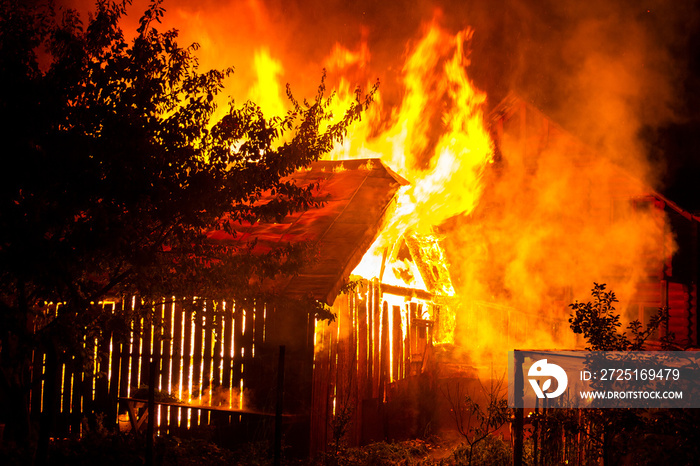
[436, 138]
[267, 91]
[539, 233]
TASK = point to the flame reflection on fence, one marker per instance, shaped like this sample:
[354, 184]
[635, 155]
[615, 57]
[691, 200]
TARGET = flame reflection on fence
[203, 354]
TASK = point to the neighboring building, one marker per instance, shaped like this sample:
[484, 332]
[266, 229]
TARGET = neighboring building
[671, 278]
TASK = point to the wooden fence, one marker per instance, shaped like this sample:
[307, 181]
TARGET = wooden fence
[223, 355]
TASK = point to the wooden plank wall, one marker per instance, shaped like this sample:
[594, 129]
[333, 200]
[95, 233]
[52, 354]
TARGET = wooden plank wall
[354, 367]
[222, 355]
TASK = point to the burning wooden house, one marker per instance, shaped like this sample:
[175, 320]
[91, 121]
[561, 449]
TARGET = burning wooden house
[370, 373]
[221, 362]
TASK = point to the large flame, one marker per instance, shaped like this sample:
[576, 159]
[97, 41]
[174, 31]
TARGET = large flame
[538, 235]
[436, 138]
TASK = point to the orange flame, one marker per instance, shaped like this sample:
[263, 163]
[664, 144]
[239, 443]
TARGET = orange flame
[436, 138]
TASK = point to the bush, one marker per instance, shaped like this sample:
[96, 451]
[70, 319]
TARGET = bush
[492, 451]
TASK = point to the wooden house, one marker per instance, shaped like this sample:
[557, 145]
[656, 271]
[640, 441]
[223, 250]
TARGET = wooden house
[370, 373]
[222, 362]
[670, 276]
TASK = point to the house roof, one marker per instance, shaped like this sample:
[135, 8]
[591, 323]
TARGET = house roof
[358, 194]
[513, 104]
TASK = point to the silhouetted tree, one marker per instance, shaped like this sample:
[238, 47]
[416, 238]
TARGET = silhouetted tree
[113, 172]
[620, 436]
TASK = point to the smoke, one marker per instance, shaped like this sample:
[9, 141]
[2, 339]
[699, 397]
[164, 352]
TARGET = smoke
[589, 65]
[608, 71]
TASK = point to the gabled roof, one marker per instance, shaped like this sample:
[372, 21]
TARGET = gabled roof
[358, 194]
[539, 130]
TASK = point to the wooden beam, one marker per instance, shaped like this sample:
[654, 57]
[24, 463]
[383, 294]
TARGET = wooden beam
[407, 292]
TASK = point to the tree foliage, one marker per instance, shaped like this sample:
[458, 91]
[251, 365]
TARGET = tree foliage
[115, 170]
[605, 434]
[599, 323]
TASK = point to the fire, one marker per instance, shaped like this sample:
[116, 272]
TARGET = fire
[267, 91]
[436, 138]
[428, 125]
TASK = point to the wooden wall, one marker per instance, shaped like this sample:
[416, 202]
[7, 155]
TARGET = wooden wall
[374, 343]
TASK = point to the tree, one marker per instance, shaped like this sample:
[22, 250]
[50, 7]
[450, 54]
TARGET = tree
[114, 170]
[661, 434]
[599, 324]
[475, 422]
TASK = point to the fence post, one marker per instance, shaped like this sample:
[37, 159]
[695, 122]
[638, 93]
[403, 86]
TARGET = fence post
[519, 412]
[278, 411]
[151, 409]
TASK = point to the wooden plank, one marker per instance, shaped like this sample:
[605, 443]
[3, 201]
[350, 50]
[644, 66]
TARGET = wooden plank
[370, 339]
[63, 419]
[146, 344]
[124, 359]
[135, 355]
[265, 354]
[115, 372]
[260, 322]
[357, 368]
[249, 329]
[385, 368]
[397, 343]
[81, 403]
[123, 348]
[254, 378]
[163, 343]
[218, 316]
[247, 372]
[237, 345]
[407, 292]
[362, 366]
[176, 359]
[332, 377]
[207, 350]
[161, 354]
[271, 325]
[407, 343]
[37, 384]
[102, 400]
[343, 371]
[376, 343]
[198, 327]
[228, 322]
[185, 380]
[85, 385]
[318, 392]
